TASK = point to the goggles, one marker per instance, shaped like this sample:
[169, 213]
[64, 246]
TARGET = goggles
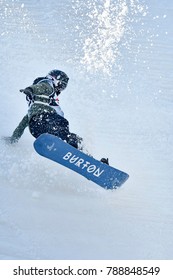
[60, 84]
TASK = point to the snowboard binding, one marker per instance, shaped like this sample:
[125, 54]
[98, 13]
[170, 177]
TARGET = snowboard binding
[105, 160]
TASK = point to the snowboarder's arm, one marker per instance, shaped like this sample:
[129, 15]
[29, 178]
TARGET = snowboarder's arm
[19, 129]
[40, 89]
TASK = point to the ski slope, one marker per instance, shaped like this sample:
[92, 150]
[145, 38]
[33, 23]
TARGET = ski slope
[118, 55]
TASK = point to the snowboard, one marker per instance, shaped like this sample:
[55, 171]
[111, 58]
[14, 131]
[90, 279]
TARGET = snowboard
[53, 148]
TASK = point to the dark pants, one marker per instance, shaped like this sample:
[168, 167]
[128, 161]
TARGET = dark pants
[53, 123]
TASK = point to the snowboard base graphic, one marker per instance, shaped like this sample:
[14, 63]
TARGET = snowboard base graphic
[55, 149]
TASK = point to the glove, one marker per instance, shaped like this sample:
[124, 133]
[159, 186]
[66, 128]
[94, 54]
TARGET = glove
[29, 92]
[9, 140]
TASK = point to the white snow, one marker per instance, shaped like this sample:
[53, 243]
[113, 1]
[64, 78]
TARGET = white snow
[49, 212]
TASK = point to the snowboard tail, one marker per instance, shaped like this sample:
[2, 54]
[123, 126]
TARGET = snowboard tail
[55, 149]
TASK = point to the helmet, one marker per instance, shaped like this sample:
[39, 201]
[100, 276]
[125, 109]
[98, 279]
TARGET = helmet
[59, 78]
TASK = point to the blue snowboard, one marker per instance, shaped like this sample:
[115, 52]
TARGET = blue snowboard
[59, 151]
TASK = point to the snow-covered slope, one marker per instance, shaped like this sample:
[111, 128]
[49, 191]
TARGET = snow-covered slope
[118, 56]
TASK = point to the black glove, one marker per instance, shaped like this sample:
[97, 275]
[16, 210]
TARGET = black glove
[28, 92]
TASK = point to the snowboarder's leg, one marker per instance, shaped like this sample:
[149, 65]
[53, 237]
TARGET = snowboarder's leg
[53, 123]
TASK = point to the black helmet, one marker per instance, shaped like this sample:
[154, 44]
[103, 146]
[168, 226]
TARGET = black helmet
[59, 78]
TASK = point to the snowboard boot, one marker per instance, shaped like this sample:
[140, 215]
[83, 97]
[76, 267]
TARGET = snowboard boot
[105, 160]
[75, 141]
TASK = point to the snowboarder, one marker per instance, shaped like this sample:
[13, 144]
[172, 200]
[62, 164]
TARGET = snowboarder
[44, 113]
